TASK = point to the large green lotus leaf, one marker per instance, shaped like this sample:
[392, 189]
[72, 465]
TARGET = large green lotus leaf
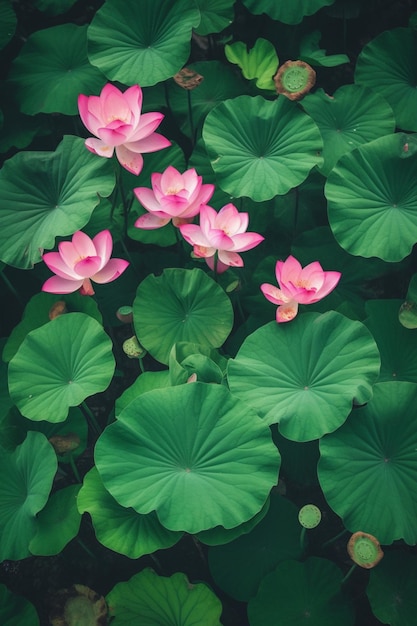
[220, 83]
[142, 42]
[260, 148]
[368, 467]
[52, 69]
[64, 435]
[218, 536]
[27, 475]
[37, 313]
[181, 305]
[239, 566]
[304, 375]
[408, 311]
[216, 15]
[59, 365]
[57, 523]
[391, 589]
[16, 610]
[388, 64]
[149, 600]
[147, 381]
[284, 11]
[260, 62]
[194, 453]
[300, 594]
[7, 22]
[5, 401]
[396, 344]
[118, 528]
[372, 198]
[354, 115]
[46, 195]
[54, 7]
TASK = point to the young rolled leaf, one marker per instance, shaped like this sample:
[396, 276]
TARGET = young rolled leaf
[275, 143]
[118, 528]
[367, 468]
[27, 475]
[388, 64]
[52, 194]
[306, 376]
[180, 305]
[141, 42]
[59, 365]
[194, 454]
[372, 198]
[149, 599]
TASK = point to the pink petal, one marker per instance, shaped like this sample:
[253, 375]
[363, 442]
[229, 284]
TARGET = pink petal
[83, 244]
[56, 284]
[153, 143]
[287, 270]
[83, 102]
[86, 288]
[171, 179]
[114, 105]
[273, 294]
[57, 265]
[230, 220]
[69, 254]
[98, 147]
[148, 123]
[204, 251]
[113, 269]
[207, 219]
[286, 312]
[311, 269]
[218, 267]
[150, 221]
[330, 282]
[115, 137]
[103, 244]
[133, 97]
[246, 241]
[132, 161]
[87, 267]
[219, 240]
[230, 258]
[147, 199]
[193, 235]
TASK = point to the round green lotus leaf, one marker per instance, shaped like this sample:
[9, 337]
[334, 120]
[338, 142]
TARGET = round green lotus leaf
[46, 195]
[169, 447]
[388, 64]
[391, 589]
[43, 307]
[181, 305]
[367, 468]
[148, 599]
[397, 345]
[216, 15]
[239, 566]
[27, 476]
[147, 381]
[287, 12]
[142, 42]
[16, 610]
[275, 144]
[372, 198]
[118, 528]
[7, 22]
[57, 523]
[52, 69]
[219, 83]
[59, 365]
[300, 594]
[304, 375]
[354, 115]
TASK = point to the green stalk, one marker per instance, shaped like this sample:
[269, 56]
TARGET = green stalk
[92, 422]
[74, 468]
[349, 574]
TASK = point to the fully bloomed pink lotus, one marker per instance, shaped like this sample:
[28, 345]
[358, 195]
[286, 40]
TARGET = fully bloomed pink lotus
[80, 261]
[116, 120]
[298, 285]
[220, 237]
[174, 196]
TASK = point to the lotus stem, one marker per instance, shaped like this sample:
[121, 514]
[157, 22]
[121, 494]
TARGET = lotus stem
[90, 418]
[11, 288]
[349, 574]
[333, 539]
[190, 117]
[84, 547]
[74, 468]
[303, 538]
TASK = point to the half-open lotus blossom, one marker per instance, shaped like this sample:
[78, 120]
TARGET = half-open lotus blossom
[220, 236]
[298, 285]
[80, 261]
[174, 196]
[116, 120]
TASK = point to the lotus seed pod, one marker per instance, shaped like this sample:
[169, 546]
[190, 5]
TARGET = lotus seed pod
[364, 550]
[294, 79]
[133, 349]
[64, 443]
[125, 314]
[309, 516]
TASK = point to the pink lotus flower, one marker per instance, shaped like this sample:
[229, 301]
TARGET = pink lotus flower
[173, 196]
[116, 119]
[298, 285]
[80, 261]
[222, 234]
